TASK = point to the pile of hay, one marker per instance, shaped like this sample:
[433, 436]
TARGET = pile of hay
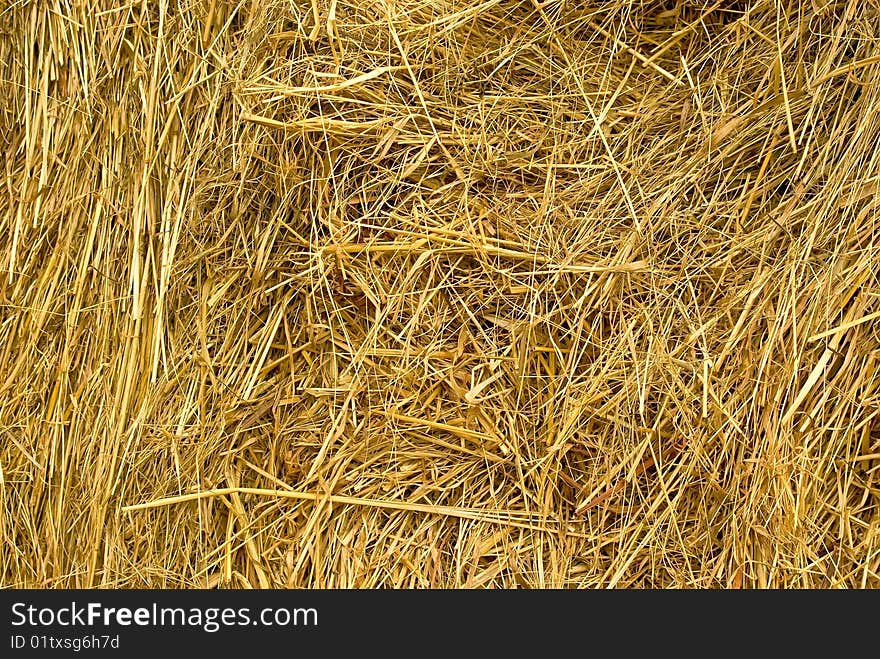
[432, 293]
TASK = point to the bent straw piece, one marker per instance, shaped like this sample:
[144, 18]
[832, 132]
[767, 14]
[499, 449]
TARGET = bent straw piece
[846, 69]
[505, 518]
[281, 90]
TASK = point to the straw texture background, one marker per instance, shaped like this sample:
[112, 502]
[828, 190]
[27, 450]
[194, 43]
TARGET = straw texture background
[439, 293]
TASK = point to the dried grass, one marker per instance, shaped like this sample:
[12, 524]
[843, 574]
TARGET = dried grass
[433, 293]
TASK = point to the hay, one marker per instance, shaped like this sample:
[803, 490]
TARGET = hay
[432, 293]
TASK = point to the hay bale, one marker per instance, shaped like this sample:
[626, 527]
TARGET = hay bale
[362, 293]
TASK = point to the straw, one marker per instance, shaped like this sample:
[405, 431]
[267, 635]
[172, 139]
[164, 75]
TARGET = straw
[448, 293]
